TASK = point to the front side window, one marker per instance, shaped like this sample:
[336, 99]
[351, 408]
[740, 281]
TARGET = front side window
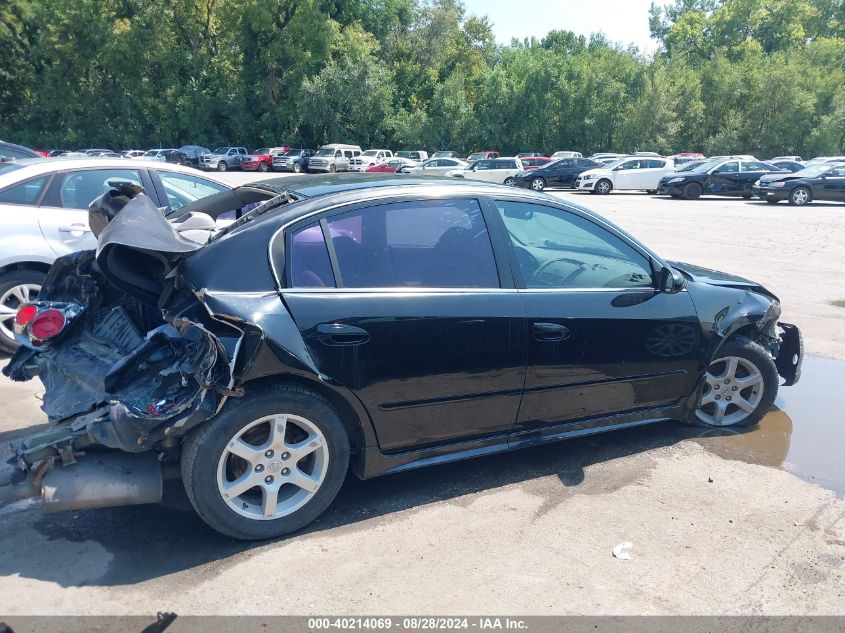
[839, 172]
[558, 249]
[184, 188]
[25, 192]
[80, 188]
[631, 164]
[426, 244]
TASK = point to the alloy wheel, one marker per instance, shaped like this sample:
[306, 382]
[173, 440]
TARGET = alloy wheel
[603, 187]
[272, 467]
[11, 301]
[732, 392]
[538, 184]
[800, 196]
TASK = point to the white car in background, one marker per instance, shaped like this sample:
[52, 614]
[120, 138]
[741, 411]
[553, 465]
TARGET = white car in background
[565, 154]
[501, 170]
[433, 167]
[630, 173]
[159, 155]
[371, 157]
[44, 214]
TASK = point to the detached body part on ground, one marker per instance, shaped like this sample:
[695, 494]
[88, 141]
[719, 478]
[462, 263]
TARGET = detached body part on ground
[266, 359]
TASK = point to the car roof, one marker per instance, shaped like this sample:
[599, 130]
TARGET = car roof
[29, 167]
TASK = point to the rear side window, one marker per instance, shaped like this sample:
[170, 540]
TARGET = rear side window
[654, 164]
[24, 193]
[310, 266]
[434, 244]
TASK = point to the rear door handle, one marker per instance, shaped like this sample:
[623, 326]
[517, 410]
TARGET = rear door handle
[340, 334]
[550, 332]
[74, 228]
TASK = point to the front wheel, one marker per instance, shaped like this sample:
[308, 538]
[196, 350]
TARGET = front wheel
[297, 168]
[538, 184]
[222, 166]
[740, 385]
[268, 464]
[332, 168]
[800, 196]
[692, 191]
[603, 187]
[263, 167]
[509, 181]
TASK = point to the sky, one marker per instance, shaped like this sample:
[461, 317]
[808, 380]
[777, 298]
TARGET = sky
[623, 21]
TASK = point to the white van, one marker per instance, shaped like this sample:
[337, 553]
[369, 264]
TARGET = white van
[638, 173]
[333, 157]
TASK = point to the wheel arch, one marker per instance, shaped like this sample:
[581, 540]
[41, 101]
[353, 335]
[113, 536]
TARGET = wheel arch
[41, 267]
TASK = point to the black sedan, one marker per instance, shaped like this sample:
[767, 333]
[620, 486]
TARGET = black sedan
[561, 173]
[820, 182]
[371, 325]
[725, 177]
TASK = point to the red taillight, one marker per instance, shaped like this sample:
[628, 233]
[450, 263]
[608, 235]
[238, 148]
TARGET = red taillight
[48, 323]
[25, 314]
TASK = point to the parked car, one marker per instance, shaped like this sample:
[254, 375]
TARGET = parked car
[533, 162]
[107, 153]
[282, 381]
[684, 158]
[560, 173]
[42, 152]
[10, 152]
[57, 152]
[154, 154]
[416, 155]
[262, 158]
[788, 165]
[824, 159]
[391, 166]
[369, 158]
[728, 177]
[529, 154]
[819, 182]
[446, 154]
[194, 152]
[632, 173]
[223, 158]
[433, 167]
[606, 155]
[44, 214]
[333, 157]
[501, 170]
[295, 160]
[132, 153]
[794, 159]
[565, 154]
[481, 156]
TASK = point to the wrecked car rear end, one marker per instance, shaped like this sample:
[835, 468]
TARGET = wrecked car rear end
[131, 360]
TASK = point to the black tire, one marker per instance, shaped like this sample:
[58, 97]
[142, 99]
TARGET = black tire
[509, 181]
[222, 166]
[603, 187]
[770, 201]
[674, 195]
[332, 168]
[743, 347]
[8, 281]
[538, 184]
[263, 167]
[297, 168]
[800, 196]
[692, 191]
[204, 446]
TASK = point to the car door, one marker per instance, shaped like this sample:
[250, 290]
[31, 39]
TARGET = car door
[723, 179]
[831, 185]
[749, 173]
[412, 317]
[19, 216]
[602, 339]
[627, 175]
[63, 215]
[561, 174]
[653, 170]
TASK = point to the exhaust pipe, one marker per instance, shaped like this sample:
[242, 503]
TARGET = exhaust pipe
[98, 480]
[103, 480]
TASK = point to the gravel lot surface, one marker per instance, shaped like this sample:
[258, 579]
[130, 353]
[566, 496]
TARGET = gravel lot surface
[734, 524]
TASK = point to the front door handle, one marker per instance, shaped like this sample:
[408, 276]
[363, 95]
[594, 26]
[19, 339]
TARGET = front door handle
[550, 332]
[74, 228]
[340, 334]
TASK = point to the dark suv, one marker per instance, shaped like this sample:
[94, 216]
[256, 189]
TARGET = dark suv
[295, 160]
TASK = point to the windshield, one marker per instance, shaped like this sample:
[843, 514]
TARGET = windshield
[703, 167]
[152, 152]
[812, 172]
[324, 152]
[221, 150]
[614, 163]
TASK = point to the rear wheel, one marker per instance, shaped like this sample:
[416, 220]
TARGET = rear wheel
[268, 464]
[509, 181]
[603, 187]
[16, 287]
[740, 385]
[800, 196]
[538, 184]
[692, 191]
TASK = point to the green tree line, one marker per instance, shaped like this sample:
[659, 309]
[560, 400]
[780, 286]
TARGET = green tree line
[761, 76]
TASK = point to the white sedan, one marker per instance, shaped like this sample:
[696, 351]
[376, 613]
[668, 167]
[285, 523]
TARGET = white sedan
[637, 173]
[433, 167]
[44, 214]
[501, 170]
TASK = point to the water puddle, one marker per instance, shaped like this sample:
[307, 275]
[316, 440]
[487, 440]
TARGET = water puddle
[804, 434]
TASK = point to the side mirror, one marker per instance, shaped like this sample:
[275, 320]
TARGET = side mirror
[671, 281]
